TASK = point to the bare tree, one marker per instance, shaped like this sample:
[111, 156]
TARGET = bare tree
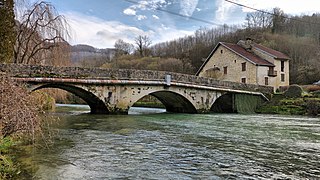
[19, 113]
[278, 20]
[142, 42]
[258, 19]
[123, 48]
[39, 31]
[59, 55]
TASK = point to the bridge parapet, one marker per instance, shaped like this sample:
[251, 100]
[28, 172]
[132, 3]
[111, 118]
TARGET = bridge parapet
[29, 71]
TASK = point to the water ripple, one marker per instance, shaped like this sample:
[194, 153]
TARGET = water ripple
[183, 146]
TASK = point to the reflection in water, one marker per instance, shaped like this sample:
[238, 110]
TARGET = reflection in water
[141, 110]
[80, 109]
[183, 146]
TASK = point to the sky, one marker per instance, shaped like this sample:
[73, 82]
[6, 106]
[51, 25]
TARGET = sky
[100, 23]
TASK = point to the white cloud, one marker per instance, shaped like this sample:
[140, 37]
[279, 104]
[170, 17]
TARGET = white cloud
[155, 17]
[165, 33]
[143, 6]
[288, 6]
[164, 27]
[188, 7]
[100, 33]
[141, 17]
[149, 5]
[225, 9]
[103, 34]
[129, 12]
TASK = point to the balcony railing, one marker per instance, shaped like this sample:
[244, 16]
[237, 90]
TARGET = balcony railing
[272, 73]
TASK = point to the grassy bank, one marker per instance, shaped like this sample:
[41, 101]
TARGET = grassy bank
[16, 159]
[149, 104]
[299, 101]
[8, 167]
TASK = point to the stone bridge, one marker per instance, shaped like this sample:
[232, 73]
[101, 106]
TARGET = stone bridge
[114, 91]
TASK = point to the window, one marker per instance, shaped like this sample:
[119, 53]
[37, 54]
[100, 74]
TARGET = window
[225, 70]
[221, 51]
[266, 81]
[243, 80]
[244, 67]
[282, 77]
[282, 66]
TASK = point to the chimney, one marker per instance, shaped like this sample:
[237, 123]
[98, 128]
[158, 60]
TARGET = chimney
[247, 44]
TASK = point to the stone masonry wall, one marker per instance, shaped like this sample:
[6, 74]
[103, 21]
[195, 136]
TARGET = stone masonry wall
[19, 70]
[223, 57]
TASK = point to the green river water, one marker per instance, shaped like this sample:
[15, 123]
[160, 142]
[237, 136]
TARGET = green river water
[180, 146]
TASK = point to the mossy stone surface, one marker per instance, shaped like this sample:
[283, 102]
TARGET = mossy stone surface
[294, 91]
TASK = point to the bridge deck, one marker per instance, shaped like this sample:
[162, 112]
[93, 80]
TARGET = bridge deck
[121, 75]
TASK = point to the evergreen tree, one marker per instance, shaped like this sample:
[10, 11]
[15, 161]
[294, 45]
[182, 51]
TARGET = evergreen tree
[7, 31]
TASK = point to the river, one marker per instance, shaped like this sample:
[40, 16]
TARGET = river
[180, 146]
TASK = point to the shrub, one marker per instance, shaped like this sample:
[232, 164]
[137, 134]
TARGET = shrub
[44, 101]
[313, 107]
[311, 88]
[316, 94]
[294, 91]
[7, 168]
[268, 109]
[19, 113]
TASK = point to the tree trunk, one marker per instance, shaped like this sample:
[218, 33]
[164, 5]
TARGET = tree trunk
[7, 31]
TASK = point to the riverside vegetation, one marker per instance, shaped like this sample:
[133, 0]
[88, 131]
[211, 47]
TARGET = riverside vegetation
[296, 100]
[21, 126]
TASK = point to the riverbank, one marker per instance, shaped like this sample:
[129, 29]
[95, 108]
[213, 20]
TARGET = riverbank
[16, 159]
[21, 122]
[295, 101]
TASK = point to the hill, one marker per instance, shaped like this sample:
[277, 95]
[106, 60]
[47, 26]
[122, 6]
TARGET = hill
[88, 56]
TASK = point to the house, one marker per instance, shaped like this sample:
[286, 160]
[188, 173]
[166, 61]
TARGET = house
[247, 62]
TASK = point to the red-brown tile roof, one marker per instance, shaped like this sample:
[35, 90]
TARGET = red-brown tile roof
[272, 52]
[247, 55]
[241, 52]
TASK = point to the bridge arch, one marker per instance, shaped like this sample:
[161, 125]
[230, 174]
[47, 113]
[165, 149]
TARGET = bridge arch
[173, 101]
[237, 103]
[224, 104]
[97, 106]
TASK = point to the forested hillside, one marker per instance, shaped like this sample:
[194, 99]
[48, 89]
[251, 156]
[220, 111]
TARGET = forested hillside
[88, 56]
[298, 37]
